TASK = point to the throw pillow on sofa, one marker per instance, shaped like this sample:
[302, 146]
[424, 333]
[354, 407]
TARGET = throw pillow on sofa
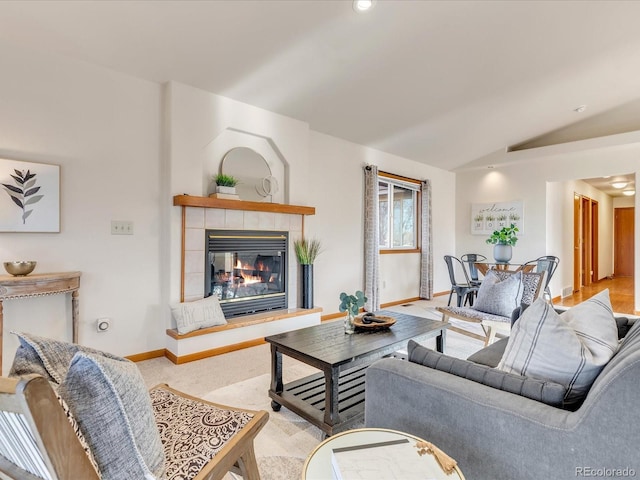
[191, 316]
[47, 357]
[499, 297]
[112, 406]
[569, 348]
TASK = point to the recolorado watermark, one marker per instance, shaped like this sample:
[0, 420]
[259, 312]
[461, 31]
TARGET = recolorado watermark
[605, 472]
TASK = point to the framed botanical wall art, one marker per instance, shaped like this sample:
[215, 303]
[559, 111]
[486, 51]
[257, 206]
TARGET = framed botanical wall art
[29, 197]
[487, 217]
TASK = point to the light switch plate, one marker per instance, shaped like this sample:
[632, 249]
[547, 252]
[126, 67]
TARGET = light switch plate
[121, 227]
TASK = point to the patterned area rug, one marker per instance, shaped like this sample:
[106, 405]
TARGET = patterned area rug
[286, 440]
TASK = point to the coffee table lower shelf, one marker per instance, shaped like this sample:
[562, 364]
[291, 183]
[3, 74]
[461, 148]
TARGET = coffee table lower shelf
[307, 398]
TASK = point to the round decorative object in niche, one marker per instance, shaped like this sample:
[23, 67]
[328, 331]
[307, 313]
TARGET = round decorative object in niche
[255, 181]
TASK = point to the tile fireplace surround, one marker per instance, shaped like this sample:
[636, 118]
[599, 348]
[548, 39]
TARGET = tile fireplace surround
[197, 220]
[204, 213]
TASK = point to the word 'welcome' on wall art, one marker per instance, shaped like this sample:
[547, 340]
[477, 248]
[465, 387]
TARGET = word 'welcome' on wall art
[29, 197]
[488, 217]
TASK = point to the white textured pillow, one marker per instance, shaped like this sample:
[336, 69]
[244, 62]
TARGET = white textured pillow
[499, 297]
[569, 348]
[190, 316]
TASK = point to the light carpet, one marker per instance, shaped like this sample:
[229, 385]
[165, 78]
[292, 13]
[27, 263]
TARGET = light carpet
[285, 441]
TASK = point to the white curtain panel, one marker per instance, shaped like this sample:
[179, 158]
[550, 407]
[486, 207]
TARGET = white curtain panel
[371, 239]
[426, 244]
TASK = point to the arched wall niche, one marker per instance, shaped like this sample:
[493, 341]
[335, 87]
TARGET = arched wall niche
[266, 147]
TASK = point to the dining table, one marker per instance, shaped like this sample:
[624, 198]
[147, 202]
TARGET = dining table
[484, 267]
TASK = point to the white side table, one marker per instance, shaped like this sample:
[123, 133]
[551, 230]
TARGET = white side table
[318, 465]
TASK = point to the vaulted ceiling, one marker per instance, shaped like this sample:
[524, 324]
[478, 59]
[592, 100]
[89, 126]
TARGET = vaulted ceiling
[439, 82]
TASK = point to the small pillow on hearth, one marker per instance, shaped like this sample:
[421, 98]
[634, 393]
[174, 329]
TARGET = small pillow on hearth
[190, 316]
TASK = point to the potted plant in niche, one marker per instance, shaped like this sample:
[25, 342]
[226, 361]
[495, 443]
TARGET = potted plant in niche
[352, 305]
[306, 252]
[503, 241]
[225, 183]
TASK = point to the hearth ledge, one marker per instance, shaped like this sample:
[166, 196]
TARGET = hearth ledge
[245, 321]
[239, 333]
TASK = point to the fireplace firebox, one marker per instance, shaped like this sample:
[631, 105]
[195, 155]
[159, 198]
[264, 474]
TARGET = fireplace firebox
[246, 270]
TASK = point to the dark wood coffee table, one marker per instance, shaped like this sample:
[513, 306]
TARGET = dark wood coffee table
[333, 399]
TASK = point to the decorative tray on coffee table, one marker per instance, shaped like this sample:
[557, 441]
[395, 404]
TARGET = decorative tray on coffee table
[374, 325]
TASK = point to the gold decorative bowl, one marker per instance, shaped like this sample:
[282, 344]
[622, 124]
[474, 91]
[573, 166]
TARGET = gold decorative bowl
[18, 269]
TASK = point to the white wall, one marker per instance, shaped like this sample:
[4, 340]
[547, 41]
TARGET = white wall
[337, 189]
[545, 209]
[103, 129]
[324, 172]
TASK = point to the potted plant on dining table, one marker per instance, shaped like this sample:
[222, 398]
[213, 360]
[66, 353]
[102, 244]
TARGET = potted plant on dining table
[503, 241]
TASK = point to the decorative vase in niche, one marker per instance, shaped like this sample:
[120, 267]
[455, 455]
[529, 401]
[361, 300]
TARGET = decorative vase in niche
[502, 253]
[306, 286]
[349, 324]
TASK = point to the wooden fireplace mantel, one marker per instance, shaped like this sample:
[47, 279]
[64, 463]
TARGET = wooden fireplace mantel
[207, 202]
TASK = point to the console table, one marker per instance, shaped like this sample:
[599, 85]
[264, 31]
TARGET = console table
[37, 285]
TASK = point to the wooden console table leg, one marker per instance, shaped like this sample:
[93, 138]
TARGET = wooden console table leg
[74, 315]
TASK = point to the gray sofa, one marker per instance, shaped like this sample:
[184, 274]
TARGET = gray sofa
[497, 434]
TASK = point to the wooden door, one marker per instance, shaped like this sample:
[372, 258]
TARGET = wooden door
[623, 242]
[576, 243]
[595, 259]
[585, 253]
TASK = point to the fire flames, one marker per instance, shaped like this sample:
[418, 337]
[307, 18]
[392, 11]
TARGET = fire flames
[246, 272]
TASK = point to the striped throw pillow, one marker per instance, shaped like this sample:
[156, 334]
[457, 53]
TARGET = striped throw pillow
[569, 348]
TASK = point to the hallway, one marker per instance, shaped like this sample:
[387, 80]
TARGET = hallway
[620, 293]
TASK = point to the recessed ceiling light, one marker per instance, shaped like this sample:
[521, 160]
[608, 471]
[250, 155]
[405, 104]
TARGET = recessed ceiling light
[619, 184]
[628, 193]
[362, 5]
[580, 109]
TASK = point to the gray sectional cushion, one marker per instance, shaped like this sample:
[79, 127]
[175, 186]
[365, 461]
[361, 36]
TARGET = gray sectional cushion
[47, 357]
[110, 402]
[543, 391]
[491, 355]
[569, 348]
[499, 297]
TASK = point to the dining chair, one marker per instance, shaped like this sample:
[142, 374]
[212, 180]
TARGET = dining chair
[548, 264]
[464, 290]
[470, 260]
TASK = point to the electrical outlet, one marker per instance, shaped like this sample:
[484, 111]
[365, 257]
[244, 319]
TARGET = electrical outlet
[121, 227]
[103, 324]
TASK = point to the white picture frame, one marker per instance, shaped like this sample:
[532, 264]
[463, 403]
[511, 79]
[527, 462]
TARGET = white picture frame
[29, 197]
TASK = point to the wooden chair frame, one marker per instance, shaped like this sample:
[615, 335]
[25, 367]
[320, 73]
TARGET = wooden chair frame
[55, 440]
[62, 454]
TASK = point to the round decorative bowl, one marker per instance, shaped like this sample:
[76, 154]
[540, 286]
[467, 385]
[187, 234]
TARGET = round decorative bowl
[21, 268]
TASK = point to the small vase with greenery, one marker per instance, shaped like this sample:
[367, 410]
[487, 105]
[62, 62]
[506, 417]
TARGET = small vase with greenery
[225, 183]
[352, 305]
[503, 241]
[306, 252]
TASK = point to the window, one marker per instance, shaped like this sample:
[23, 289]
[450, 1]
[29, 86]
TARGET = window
[398, 207]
